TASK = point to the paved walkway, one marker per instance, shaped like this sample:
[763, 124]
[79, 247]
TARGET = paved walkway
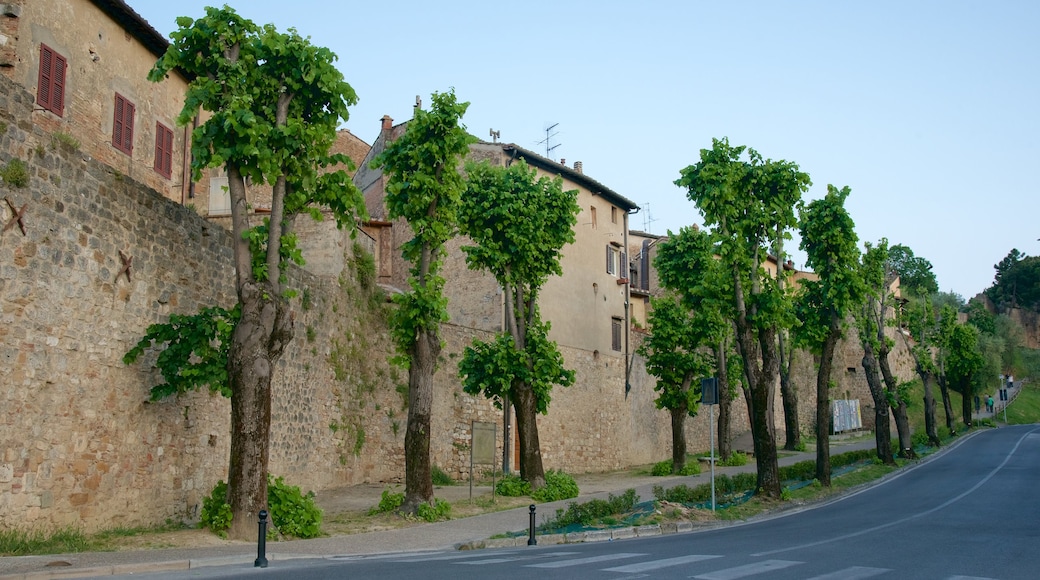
[437, 536]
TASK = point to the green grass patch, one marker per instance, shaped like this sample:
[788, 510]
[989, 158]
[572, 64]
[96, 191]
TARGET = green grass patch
[1025, 409]
[61, 541]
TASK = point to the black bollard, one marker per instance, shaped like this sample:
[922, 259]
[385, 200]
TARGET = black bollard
[530, 539]
[261, 542]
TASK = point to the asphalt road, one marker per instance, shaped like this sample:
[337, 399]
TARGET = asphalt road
[972, 513]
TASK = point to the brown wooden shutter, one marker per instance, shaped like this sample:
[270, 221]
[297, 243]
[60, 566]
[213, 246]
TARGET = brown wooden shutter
[610, 259]
[163, 150]
[58, 85]
[50, 86]
[123, 125]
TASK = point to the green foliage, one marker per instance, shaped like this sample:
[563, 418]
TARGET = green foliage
[60, 139]
[512, 486]
[15, 542]
[292, 512]
[440, 477]
[587, 513]
[440, 510]
[690, 468]
[194, 351]
[1016, 283]
[661, 468]
[289, 251]
[388, 502]
[736, 459]
[364, 266]
[15, 173]
[558, 485]
[673, 354]
[216, 512]
[915, 273]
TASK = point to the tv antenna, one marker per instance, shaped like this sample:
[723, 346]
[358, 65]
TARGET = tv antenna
[548, 140]
[647, 218]
[495, 135]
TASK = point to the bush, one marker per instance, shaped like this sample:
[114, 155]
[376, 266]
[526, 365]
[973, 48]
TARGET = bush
[736, 459]
[691, 468]
[292, 512]
[512, 486]
[440, 510]
[662, 468]
[388, 502]
[16, 173]
[587, 512]
[558, 485]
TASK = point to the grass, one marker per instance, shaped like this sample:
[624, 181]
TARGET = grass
[27, 542]
[1026, 407]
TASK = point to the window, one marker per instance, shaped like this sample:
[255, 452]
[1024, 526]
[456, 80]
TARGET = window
[592, 212]
[50, 91]
[613, 215]
[615, 333]
[163, 150]
[616, 261]
[219, 196]
[123, 125]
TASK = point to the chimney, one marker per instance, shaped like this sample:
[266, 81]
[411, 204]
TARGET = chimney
[388, 123]
[563, 161]
[577, 167]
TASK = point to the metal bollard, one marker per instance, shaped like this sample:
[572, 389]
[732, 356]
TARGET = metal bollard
[261, 542]
[530, 539]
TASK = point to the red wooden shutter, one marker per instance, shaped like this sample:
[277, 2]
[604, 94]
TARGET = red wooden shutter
[58, 85]
[50, 86]
[163, 150]
[123, 125]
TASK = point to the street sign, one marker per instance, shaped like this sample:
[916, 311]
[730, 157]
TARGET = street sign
[710, 391]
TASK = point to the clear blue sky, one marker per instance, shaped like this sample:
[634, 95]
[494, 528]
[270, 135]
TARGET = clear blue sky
[927, 110]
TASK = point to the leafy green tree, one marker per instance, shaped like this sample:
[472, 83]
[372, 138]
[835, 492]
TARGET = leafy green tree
[871, 320]
[1016, 283]
[689, 331]
[425, 188]
[748, 202]
[519, 223]
[831, 246]
[963, 362]
[275, 102]
[673, 356]
[915, 273]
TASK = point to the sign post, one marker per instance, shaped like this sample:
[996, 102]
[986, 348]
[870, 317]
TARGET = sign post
[709, 397]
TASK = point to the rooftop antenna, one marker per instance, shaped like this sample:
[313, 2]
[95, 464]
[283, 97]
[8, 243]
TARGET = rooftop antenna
[647, 218]
[548, 136]
[495, 135]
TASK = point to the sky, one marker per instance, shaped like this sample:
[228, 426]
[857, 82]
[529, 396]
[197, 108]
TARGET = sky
[929, 110]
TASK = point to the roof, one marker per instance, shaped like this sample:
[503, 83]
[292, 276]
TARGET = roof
[135, 24]
[578, 177]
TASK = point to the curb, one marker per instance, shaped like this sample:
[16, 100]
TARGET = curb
[582, 537]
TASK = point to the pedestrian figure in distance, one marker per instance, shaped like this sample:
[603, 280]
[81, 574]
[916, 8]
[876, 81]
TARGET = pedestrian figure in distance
[989, 403]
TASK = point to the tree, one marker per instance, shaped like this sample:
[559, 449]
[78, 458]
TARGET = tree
[425, 188]
[1016, 283]
[831, 246]
[687, 266]
[275, 102]
[963, 363]
[748, 202]
[871, 320]
[674, 356]
[519, 223]
[915, 273]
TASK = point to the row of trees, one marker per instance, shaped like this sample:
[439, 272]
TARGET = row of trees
[729, 309]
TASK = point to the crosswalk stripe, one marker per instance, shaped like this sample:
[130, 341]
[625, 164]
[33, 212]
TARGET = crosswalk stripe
[656, 564]
[475, 555]
[853, 573]
[969, 578]
[580, 561]
[748, 570]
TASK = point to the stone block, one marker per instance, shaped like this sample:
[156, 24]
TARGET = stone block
[643, 531]
[622, 533]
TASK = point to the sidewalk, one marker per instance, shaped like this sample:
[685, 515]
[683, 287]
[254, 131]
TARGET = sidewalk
[437, 536]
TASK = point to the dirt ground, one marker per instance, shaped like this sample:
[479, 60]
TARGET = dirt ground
[346, 509]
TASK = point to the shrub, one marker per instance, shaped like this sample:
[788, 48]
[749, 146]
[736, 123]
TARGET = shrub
[440, 510]
[16, 173]
[736, 459]
[691, 468]
[662, 468]
[389, 502]
[512, 486]
[558, 485]
[587, 512]
[292, 512]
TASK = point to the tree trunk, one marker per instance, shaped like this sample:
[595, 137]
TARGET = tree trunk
[257, 343]
[418, 482]
[762, 379]
[966, 402]
[789, 394]
[526, 405]
[882, 426]
[929, 409]
[722, 373]
[678, 438]
[823, 404]
[947, 405]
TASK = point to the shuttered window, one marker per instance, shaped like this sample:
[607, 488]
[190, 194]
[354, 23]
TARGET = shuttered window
[50, 87]
[611, 260]
[615, 333]
[163, 150]
[123, 125]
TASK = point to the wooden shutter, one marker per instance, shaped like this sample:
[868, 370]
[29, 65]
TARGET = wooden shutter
[610, 259]
[50, 91]
[163, 150]
[123, 125]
